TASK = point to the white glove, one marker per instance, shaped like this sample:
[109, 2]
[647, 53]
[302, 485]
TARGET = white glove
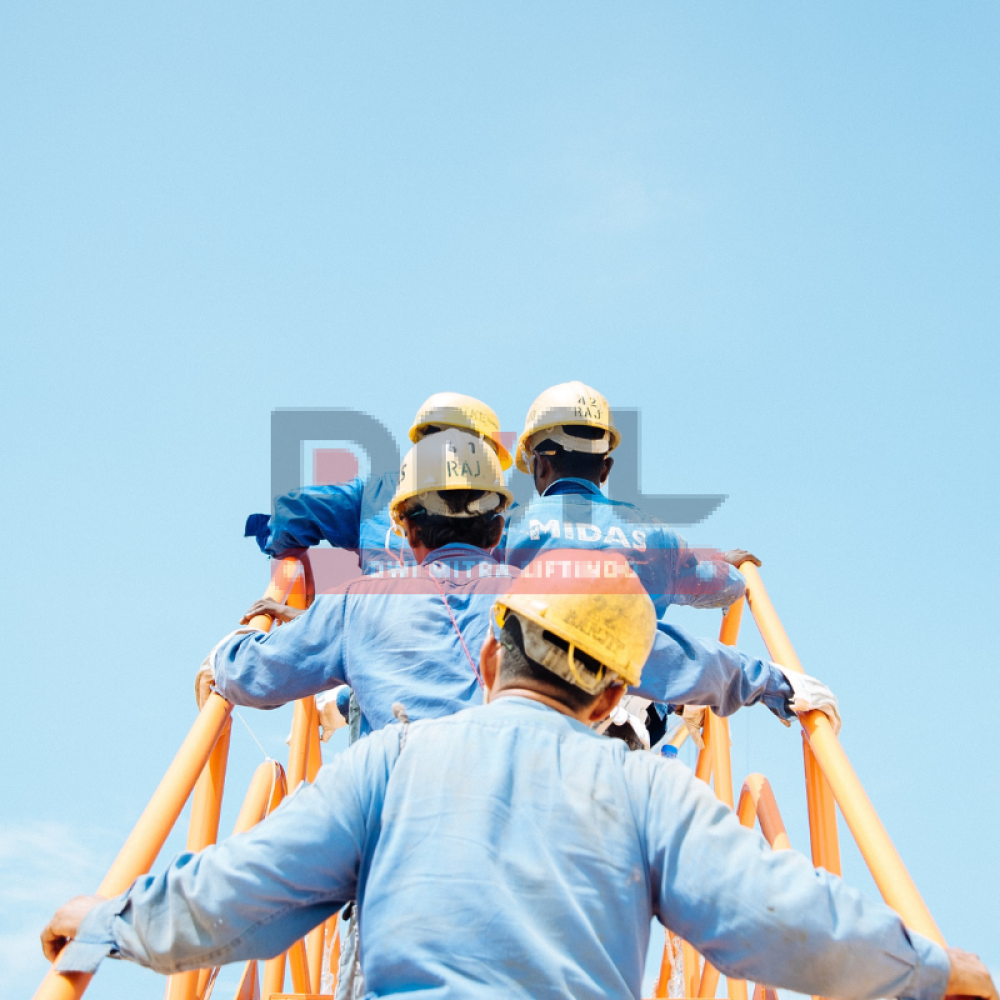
[621, 717]
[811, 695]
[693, 717]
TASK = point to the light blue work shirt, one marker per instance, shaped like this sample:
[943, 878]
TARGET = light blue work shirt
[414, 636]
[509, 851]
[575, 514]
[352, 515]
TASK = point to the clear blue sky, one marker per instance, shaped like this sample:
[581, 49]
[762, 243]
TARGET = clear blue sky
[773, 227]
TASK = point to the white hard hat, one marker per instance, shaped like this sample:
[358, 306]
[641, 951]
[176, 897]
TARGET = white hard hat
[452, 409]
[570, 404]
[450, 460]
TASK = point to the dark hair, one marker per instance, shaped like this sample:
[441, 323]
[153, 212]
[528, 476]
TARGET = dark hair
[519, 668]
[578, 464]
[435, 530]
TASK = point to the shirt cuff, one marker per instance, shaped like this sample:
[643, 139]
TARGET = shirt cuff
[930, 975]
[95, 938]
[779, 694]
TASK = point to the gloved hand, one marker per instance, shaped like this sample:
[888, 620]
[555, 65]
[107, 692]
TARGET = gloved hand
[693, 717]
[811, 695]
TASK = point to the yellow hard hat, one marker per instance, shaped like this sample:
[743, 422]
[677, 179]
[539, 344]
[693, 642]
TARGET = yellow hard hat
[570, 404]
[452, 409]
[594, 602]
[450, 460]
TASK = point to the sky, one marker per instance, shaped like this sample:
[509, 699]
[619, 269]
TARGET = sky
[771, 227]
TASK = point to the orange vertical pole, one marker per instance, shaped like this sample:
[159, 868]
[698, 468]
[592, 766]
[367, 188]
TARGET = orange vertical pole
[692, 969]
[203, 829]
[295, 579]
[703, 766]
[316, 938]
[300, 967]
[273, 979]
[723, 777]
[152, 829]
[333, 928]
[823, 837]
[884, 862]
[661, 988]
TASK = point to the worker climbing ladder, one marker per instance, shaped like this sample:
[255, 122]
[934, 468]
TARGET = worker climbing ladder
[200, 767]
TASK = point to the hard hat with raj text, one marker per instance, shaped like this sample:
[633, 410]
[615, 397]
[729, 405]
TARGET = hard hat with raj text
[452, 409]
[595, 604]
[570, 404]
[450, 460]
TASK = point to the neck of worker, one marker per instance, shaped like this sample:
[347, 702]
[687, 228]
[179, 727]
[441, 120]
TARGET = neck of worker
[583, 715]
[570, 484]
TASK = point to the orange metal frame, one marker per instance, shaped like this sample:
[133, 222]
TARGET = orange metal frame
[200, 766]
[830, 782]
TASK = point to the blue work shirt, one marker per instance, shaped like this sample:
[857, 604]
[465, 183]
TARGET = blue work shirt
[509, 851]
[352, 515]
[575, 514]
[414, 636]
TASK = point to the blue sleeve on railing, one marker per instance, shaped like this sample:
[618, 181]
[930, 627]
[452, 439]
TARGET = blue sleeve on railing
[720, 887]
[255, 894]
[683, 670]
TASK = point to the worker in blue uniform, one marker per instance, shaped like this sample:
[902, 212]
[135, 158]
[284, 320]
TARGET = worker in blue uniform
[414, 636]
[355, 515]
[565, 446]
[510, 851]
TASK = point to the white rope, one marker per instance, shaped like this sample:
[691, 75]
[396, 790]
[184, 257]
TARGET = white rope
[267, 756]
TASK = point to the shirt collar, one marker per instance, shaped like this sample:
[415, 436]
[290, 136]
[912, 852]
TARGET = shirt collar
[457, 550]
[571, 485]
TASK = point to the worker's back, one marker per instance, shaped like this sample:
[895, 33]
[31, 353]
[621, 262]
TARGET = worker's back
[508, 860]
[411, 635]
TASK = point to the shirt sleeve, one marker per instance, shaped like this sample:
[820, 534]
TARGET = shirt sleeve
[255, 894]
[705, 580]
[309, 515]
[296, 660]
[683, 670]
[769, 916]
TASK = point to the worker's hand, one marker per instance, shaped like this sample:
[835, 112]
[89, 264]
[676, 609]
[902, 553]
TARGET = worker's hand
[330, 719]
[968, 976]
[62, 928]
[281, 612]
[736, 556]
[203, 681]
[693, 717]
[811, 695]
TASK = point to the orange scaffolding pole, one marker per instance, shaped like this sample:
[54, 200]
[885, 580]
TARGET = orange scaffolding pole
[203, 829]
[884, 862]
[151, 831]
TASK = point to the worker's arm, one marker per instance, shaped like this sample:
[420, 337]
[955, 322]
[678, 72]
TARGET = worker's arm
[297, 660]
[307, 516]
[769, 916]
[253, 895]
[705, 578]
[683, 670]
